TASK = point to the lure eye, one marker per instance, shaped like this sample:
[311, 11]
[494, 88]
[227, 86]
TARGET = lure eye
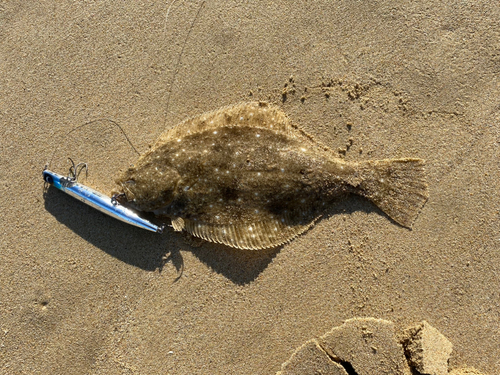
[48, 178]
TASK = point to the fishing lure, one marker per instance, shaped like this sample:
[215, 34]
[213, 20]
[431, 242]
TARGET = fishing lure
[108, 205]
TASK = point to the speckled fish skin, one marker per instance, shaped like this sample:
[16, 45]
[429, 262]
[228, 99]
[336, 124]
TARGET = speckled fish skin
[245, 177]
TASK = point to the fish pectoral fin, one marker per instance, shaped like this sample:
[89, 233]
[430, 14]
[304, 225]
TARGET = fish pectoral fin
[254, 236]
[178, 224]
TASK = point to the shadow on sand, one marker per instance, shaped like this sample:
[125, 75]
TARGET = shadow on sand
[150, 251]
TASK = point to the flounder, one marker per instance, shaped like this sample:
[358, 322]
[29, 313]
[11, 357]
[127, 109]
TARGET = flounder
[245, 177]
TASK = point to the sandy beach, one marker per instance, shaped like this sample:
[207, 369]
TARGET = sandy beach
[82, 293]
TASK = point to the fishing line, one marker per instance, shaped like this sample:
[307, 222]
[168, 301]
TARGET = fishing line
[114, 123]
[180, 56]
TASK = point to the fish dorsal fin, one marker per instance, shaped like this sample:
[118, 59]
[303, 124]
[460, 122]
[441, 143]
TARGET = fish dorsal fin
[254, 114]
[255, 236]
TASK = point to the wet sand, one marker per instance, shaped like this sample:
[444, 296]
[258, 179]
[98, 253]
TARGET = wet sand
[83, 293]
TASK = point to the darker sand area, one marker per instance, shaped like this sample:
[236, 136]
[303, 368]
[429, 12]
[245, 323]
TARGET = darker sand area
[81, 293]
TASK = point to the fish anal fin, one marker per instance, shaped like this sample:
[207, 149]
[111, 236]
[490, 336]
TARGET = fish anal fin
[254, 236]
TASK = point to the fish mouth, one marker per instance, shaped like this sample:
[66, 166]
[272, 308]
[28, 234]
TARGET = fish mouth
[124, 195]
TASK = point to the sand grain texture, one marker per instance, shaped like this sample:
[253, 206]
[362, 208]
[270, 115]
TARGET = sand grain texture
[427, 350]
[83, 293]
[368, 345]
[311, 359]
[465, 371]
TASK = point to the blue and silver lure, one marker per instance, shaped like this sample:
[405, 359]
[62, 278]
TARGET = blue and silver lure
[108, 205]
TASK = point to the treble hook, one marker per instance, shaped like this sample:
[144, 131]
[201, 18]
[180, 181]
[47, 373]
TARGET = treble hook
[73, 170]
[116, 197]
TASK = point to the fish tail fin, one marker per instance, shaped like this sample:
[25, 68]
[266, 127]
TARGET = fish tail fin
[397, 186]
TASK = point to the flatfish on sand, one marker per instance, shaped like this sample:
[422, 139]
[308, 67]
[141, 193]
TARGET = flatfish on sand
[245, 177]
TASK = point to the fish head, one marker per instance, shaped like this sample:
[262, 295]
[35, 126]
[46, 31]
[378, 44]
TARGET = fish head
[148, 186]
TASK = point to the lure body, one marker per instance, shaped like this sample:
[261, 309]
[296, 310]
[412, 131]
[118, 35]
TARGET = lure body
[99, 201]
